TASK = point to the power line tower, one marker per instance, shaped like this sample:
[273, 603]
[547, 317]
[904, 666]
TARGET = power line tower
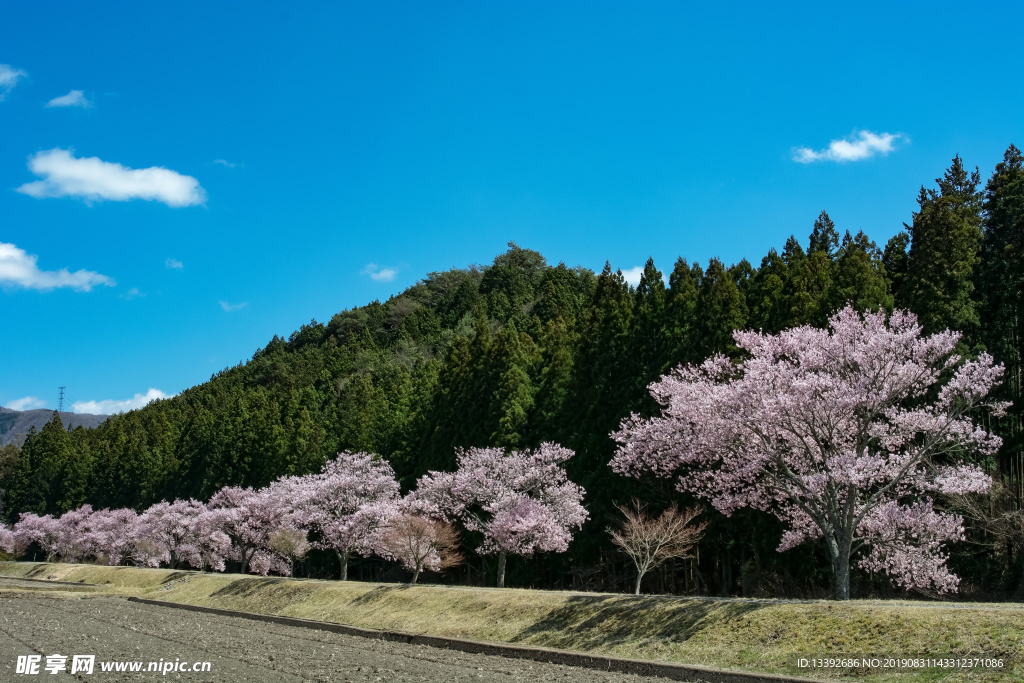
[60, 400]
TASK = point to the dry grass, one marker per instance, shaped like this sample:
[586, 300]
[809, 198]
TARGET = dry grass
[756, 636]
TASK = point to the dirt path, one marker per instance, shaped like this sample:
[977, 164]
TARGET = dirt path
[239, 650]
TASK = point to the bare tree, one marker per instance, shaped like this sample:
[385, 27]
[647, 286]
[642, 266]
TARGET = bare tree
[420, 543]
[649, 541]
[997, 515]
[291, 543]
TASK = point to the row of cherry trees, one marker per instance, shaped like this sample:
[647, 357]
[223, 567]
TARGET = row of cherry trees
[520, 503]
[848, 435]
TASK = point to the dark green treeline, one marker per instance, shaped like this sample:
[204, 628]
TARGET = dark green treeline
[521, 352]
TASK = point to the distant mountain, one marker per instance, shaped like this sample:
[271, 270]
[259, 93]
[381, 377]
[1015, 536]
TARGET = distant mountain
[15, 424]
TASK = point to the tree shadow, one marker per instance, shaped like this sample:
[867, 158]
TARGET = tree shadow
[39, 570]
[586, 622]
[379, 593]
[269, 592]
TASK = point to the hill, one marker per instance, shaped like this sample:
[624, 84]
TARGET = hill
[15, 424]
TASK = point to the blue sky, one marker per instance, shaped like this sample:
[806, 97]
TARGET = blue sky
[181, 181]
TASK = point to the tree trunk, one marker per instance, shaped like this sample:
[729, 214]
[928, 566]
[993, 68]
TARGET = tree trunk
[501, 570]
[343, 561]
[638, 577]
[843, 581]
[415, 576]
[840, 552]
[245, 561]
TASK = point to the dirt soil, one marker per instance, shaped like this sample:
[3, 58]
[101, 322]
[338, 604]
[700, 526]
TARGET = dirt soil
[113, 629]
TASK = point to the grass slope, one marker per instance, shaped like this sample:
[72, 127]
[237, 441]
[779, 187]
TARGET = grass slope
[762, 636]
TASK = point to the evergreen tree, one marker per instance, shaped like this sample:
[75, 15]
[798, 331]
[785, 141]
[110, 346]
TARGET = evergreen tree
[509, 284]
[602, 368]
[680, 312]
[650, 335]
[945, 242]
[766, 295]
[1001, 278]
[49, 477]
[895, 260]
[720, 310]
[824, 237]
[810, 275]
[558, 344]
[859, 277]
[27, 490]
[513, 398]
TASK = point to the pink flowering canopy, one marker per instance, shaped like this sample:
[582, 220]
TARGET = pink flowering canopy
[111, 535]
[350, 500]
[44, 531]
[72, 528]
[172, 528]
[843, 433]
[522, 501]
[248, 518]
[7, 540]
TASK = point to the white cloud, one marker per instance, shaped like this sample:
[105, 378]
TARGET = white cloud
[864, 145]
[224, 162]
[233, 307]
[27, 403]
[75, 98]
[174, 264]
[132, 293]
[632, 275]
[91, 178]
[111, 406]
[19, 269]
[378, 274]
[9, 77]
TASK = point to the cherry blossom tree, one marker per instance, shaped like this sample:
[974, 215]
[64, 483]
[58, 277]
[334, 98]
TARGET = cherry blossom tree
[348, 503]
[522, 501]
[72, 530]
[8, 542]
[172, 528]
[212, 545]
[265, 561]
[43, 531]
[248, 518]
[845, 434]
[419, 543]
[111, 535]
[650, 541]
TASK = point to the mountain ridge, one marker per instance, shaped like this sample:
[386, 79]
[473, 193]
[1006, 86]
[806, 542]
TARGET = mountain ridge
[15, 424]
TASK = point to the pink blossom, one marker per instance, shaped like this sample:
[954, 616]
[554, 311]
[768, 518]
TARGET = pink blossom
[521, 501]
[347, 503]
[72, 528]
[7, 540]
[111, 535]
[171, 527]
[249, 518]
[43, 531]
[825, 429]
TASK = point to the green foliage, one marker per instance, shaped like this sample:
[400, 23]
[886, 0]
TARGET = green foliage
[858, 277]
[945, 245]
[1001, 285]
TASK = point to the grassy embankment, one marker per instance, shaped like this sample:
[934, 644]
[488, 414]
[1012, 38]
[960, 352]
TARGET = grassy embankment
[763, 636]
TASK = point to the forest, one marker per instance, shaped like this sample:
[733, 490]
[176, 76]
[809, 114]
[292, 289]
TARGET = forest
[521, 353]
